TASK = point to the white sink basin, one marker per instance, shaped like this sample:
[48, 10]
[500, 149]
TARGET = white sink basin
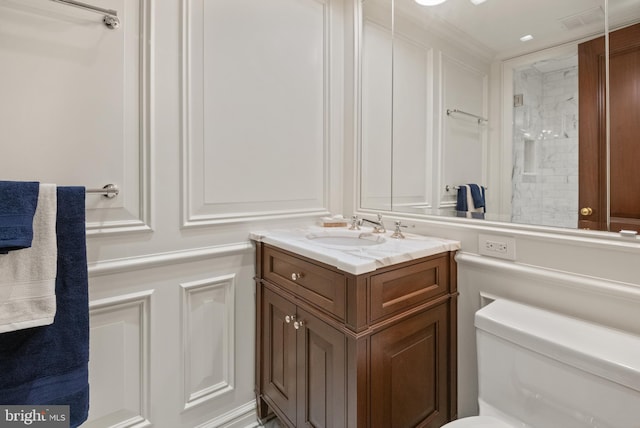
[351, 240]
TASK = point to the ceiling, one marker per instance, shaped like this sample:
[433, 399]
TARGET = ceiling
[497, 25]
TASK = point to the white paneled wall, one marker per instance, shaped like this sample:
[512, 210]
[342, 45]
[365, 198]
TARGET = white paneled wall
[214, 118]
[412, 121]
[463, 142]
[208, 327]
[120, 362]
[376, 115]
[415, 145]
[256, 92]
[76, 93]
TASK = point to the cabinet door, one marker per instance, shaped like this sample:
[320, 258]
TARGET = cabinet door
[279, 354]
[321, 374]
[409, 372]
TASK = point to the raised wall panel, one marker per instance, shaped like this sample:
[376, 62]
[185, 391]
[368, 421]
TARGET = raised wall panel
[255, 100]
[75, 104]
[208, 313]
[119, 363]
[462, 144]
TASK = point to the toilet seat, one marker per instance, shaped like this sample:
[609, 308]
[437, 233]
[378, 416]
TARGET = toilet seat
[478, 422]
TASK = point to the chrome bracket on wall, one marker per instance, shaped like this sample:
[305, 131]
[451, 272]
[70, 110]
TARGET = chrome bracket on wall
[110, 16]
[108, 191]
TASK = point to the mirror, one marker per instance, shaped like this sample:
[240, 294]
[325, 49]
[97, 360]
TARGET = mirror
[450, 95]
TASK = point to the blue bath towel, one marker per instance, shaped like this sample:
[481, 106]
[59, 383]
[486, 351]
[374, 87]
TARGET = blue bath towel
[18, 202]
[49, 364]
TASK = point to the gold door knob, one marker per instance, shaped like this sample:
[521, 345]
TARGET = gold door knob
[586, 211]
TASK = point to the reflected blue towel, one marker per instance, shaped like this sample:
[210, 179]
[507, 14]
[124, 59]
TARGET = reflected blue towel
[461, 201]
[48, 365]
[477, 194]
[18, 202]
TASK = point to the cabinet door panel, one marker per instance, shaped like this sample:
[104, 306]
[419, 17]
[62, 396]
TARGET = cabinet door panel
[409, 373]
[322, 374]
[279, 353]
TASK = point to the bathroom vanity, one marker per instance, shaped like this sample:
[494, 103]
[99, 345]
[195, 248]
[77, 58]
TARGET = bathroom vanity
[355, 329]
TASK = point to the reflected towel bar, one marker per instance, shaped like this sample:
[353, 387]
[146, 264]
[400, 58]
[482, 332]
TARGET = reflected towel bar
[480, 118]
[448, 188]
[108, 191]
[110, 16]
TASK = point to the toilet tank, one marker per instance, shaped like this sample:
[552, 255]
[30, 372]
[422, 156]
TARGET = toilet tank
[545, 370]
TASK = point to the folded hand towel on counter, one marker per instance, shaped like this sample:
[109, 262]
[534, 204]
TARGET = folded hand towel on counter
[18, 201]
[48, 365]
[28, 276]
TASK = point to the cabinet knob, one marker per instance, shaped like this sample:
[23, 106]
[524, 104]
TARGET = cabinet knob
[289, 318]
[298, 324]
[296, 276]
[586, 211]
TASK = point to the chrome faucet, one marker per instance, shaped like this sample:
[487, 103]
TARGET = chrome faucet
[378, 226]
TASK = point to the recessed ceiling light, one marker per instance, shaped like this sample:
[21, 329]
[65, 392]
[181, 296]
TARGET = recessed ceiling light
[430, 2]
[526, 38]
[477, 2]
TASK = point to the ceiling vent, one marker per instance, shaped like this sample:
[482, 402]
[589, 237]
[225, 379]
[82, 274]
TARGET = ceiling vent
[588, 17]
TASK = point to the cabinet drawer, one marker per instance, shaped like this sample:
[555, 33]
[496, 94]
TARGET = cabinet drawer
[315, 284]
[397, 290]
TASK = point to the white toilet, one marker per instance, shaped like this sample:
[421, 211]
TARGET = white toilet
[540, 369]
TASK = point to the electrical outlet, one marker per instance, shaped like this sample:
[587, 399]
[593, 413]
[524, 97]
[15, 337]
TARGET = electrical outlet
[494, 246]
[503, 247]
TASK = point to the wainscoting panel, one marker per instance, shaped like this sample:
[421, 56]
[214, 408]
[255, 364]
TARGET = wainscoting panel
[208, 313]
[119, 363]
[256, 98]
[75, 104]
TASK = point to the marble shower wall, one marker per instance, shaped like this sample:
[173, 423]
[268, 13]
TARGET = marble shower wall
[545, 152]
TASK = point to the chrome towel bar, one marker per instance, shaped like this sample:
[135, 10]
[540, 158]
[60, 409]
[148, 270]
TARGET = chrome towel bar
[108, 191]
[110, 16]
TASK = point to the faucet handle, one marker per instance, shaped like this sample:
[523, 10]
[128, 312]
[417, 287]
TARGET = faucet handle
[355, 224]
[398, 232]
[380, 227]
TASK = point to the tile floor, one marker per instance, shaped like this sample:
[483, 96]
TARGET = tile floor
[274, 423]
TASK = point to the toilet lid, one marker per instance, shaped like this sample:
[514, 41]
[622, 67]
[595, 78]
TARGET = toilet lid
[478, 422]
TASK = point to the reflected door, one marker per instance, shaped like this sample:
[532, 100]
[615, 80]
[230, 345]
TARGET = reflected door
[592, 169]
[624, 85]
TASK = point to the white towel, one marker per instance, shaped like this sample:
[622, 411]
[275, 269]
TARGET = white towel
[28, 276]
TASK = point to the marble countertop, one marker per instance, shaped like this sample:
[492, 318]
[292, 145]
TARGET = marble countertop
[354, 259]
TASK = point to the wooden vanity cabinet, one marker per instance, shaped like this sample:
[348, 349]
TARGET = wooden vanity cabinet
[340, 350]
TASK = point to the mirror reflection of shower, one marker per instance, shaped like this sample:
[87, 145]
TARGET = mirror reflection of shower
[545, 143]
